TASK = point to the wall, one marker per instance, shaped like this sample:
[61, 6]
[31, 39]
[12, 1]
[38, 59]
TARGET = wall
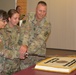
[7, 4]
[62, 15]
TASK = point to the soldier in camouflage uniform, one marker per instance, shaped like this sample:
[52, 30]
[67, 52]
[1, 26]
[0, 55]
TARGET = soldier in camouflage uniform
[35, 32]
[3, 22]
[19, 9]
[11, 51]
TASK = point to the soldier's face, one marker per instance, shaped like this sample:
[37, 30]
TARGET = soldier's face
[41, 11]
[14, 19]
[19, 10]
[2, 23]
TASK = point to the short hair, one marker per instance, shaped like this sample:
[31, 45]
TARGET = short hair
[17, 7]
[11, 12]
[42, 2]
[3, 15]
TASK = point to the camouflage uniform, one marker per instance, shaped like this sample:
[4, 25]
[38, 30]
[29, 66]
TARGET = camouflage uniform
[13, 34]
[10, 53]
[35, 35]
[2, 59]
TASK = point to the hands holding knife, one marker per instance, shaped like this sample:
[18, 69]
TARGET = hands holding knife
[23, 51]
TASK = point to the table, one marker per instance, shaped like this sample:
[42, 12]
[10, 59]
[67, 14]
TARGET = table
[32, 71]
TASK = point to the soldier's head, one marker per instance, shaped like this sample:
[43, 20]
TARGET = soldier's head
[13, 17]
[41, 10]
[3, 18]
[19, 9]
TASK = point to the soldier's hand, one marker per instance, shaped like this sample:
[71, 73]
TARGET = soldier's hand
[23, 50]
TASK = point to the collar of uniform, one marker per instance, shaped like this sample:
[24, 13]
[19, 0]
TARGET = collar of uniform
[34, 20]
[8, 28]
